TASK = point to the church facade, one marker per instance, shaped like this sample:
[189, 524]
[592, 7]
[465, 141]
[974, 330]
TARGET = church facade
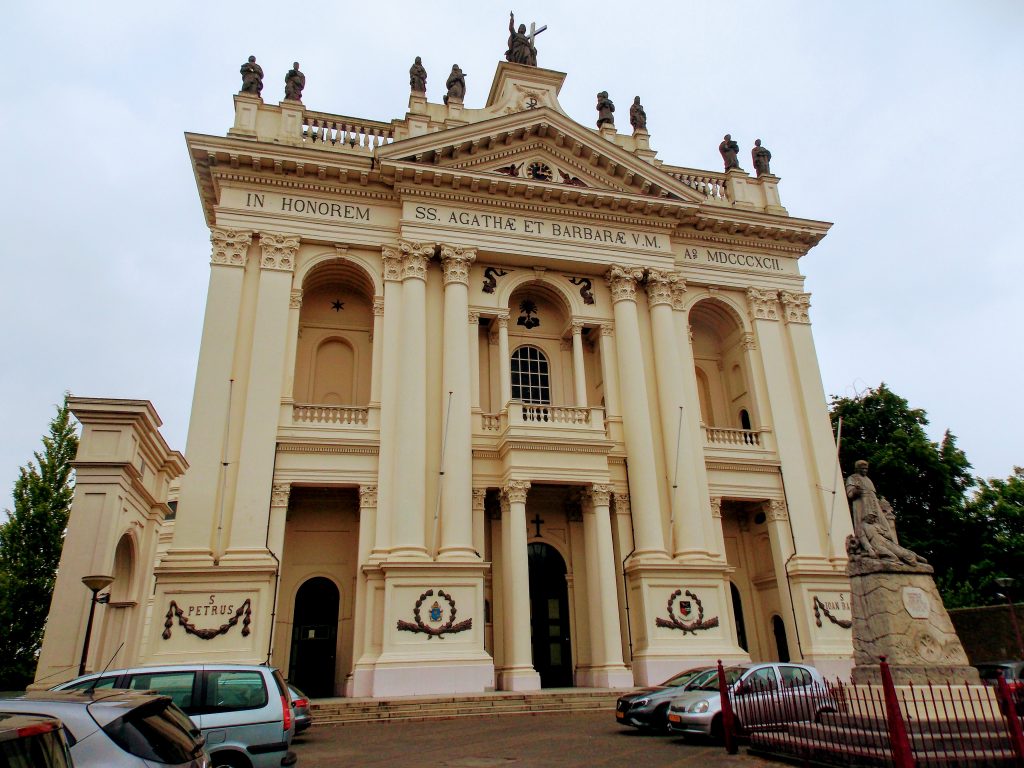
[486, 399]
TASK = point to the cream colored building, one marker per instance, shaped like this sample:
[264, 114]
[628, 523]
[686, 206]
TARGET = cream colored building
[485, 399]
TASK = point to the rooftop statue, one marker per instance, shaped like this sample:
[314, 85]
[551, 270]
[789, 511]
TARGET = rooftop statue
[456, 84]
[729, 150]
[252, 77]
[637, 116]
[874, 523]
[294, 82]
[761, 157]
[418, 77]
[521, 49]
[605, 108]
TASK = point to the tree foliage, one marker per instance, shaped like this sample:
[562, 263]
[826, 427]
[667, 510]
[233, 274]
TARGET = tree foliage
[30, 545]
[926, 482]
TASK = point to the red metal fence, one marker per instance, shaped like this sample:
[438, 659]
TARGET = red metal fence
[846, 725]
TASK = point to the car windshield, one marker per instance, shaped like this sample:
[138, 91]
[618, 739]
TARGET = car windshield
[682, 678]
[992, 671]
[732, 674]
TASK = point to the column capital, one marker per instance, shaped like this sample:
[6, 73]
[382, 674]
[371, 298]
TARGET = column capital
[455, 262]
[367, 496]
[748, 342]
[278, 251]
[716, 506]
[474, 317]
[502, 320]
[600, 494]
[664, 287]
[230, 246]
[515, 491]
[378, 306]
[392, 258]
[764, 305]
[607, 329]
[621, 499]
[577, 327]
[795, 306]
[623, 281]
[775, 510]
[479, 496]
[279, 494]
[296, 299]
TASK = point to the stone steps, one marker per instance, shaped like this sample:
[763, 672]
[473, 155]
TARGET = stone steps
[408, 708]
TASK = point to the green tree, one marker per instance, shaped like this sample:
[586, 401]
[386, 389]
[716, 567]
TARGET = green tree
[925, 482]
[30, 544]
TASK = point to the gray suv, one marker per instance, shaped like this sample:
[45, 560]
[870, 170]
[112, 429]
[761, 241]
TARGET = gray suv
[243, 710]
[117, 729]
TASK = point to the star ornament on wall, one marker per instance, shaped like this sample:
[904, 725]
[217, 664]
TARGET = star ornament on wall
[337, 305]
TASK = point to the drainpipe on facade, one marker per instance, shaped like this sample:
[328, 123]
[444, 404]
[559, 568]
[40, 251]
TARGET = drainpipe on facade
[789, 584]
[625, 583]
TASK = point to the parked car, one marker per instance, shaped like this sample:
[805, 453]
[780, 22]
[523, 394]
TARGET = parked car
[118, 729]
[33, 742]
[243, 710]
[761, 694]
[1013, 671]
[649, 708]
[300, 706]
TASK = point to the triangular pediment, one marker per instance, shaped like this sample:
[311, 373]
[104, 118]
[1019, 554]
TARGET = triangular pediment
[537, 146]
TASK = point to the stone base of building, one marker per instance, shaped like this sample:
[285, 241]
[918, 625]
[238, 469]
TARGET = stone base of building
[420, 677]
[604, 677]
[519, 679]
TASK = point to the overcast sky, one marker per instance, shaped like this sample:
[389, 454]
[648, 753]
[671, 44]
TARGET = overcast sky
[902, 122]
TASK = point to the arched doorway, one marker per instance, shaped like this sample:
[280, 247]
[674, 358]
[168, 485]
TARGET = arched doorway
[549, 617]
[315, 637]
[737, 612]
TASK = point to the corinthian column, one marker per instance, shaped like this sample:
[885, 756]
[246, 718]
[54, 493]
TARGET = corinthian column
[681, 430]
[207, 430]
[263, 394]
[579, 371]
[391, 357]
[518, 673]
[457, 484]
[802, 479]
[408, 525]
[504, 362]
[606, 654]
[636, 425]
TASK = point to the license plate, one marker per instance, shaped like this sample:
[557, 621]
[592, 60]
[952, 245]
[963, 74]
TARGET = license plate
[620, 715]
[675, 718]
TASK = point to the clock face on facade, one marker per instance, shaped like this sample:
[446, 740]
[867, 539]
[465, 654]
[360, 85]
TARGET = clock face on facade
[539, 171]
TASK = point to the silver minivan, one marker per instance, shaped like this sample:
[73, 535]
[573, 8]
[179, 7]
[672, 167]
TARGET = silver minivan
[243, 710]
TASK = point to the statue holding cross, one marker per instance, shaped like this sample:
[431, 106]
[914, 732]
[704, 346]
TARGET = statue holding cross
[521, 48]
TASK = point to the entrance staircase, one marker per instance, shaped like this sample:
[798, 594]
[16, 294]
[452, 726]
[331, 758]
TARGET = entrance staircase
[409, 708]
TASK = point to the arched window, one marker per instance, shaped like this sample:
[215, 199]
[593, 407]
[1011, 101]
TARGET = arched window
[531, 380]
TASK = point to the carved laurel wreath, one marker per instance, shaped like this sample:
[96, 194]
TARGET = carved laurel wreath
[431, 632]
[686, 626]
[207, 634]
[819, 608]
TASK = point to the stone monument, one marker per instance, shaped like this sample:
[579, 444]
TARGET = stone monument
[897, 611]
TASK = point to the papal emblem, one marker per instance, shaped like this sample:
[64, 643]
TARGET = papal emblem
[435, 611]
[435, 614]
[685, 606]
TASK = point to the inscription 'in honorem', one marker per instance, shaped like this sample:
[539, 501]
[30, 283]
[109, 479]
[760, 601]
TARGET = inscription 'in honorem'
[310, 207]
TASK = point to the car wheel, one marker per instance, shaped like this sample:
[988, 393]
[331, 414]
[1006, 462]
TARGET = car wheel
[228, 760]
[717, 733]
[823, 711]
[660, 718]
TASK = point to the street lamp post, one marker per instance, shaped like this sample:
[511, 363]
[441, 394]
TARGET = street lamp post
[95, 583]
[1005, 583]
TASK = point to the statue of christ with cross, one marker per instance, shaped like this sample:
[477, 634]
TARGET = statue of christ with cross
[521, 48]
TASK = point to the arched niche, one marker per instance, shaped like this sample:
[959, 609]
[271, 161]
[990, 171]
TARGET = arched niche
[720, 361]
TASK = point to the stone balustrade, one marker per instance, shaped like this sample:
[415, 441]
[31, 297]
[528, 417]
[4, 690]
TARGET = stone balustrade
[711, 185]
[343, 415]
[490, 422]
[742, 438]
[328, 131]
[551, 414]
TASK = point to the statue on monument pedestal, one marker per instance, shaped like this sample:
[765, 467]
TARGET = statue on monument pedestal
[874, 523]
[897, 610]
[761, 157]
[418, 77]
[521, 49]
[294, 82]
[252, 77]
[637, 115]
[456, 84]
[605, 108]
[729, 149]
